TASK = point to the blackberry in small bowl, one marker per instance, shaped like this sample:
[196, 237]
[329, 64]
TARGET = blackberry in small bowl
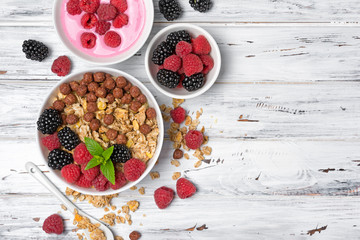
[161, 52]
[57, 159]
[68, 139]
[168, 78]
[49, 121]
[121, 154]
[194, 82]
[175, 37]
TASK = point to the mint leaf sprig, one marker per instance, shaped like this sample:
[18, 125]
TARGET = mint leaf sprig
[101, 157]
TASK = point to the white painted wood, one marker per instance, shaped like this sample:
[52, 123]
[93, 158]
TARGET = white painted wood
[38, 13]
[290, 67]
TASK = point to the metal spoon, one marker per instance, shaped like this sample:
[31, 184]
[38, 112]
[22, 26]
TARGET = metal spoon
[40, 176]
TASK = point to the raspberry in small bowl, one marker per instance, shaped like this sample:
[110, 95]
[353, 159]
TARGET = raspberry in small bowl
[183, 61]
[103, 31]
[99, 131]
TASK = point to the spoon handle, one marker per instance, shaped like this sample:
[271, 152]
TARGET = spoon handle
[40, 176]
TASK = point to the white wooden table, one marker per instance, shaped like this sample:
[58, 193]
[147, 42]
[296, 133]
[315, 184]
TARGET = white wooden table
[292, 67]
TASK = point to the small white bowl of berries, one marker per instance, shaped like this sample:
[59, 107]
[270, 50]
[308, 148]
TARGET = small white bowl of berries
[183, 61]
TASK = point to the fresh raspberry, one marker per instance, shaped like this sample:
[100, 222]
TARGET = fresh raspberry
[208, 63]
[101, 183]
[185, 188]
[121, 20]
[178, 115]
[83, 182]
[88, 20]
[133, 169]
[120, 181]
[106, 12]
[73, 7]
[53, 224]
[71, 173]
[121, 5]
[88, 40]
[112, 39]
[183, 48]
[101, 27]
[91, 173]
[163, 197]
[51, 142]
[201, 45]
[181, 71]
[172, 63]
[194, 139]
[89, 6]
[192, 64]
[61, 66]
[182, 77]
[81, 154]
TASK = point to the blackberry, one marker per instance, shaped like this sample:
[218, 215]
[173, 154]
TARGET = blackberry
[57, 159]
[68, 139]
[194, 82]
[161, 52]
[175, 37]
[200, 5]
[35, 50]
[49, 121]
[168, 78]
[170, 9]
[120, 154]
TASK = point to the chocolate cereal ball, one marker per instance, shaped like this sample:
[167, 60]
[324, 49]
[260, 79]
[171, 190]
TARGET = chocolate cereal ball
[89, 116]
[128, 86]
[59, 105]
[141, 98]
[95, 124]
[145, 129]
[65, 88]
[135, 105]
[71, 119]
[92, 107]
[70, 99]
[93, 86]
[74, 85]
[121, 82]
[150, 113]
[121, 139]
[126, 99]
[101, 92]
[118, 92]
[63, 118]
[178, 154]
[109, 83]
[111, 134]
[135, 91]
[88, 78]
[108, 119]
[91, 97]
[110, 97]
[99, 77]
[81, 91]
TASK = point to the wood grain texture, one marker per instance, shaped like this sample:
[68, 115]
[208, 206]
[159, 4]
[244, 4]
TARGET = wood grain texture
[38, 13]
[249, 54]
[283, 121]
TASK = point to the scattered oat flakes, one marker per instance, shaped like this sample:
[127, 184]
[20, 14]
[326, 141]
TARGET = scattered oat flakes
[133, 188]
[188, 120]
[133, 205]
[198, 164]
[118, 238]
[122, 219]
[206, 150]
[106, 209]
[119, 211]
[80, 237]
[176, 163]
[130, 222]
[127, 217]
[142, 190]
[154, 175]
[113, 207]
[176, 175]
[109, 219]
[84, 223]
[186, 156]
[177, 102]
[125, 209]
[63, 207]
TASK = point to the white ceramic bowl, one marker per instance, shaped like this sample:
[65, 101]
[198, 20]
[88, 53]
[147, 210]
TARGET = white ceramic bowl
[149, 6]
[56, 174]
[152, 69]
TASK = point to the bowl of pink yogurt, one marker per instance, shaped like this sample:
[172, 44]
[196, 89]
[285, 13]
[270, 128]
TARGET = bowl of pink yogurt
[130, 37]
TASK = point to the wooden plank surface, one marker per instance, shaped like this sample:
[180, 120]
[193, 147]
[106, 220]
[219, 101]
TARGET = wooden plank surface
[290, 165]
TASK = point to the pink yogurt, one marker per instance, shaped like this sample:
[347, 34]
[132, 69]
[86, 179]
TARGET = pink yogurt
[129, 33]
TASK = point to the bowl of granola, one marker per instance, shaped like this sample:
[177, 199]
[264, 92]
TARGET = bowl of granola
[100, 131]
